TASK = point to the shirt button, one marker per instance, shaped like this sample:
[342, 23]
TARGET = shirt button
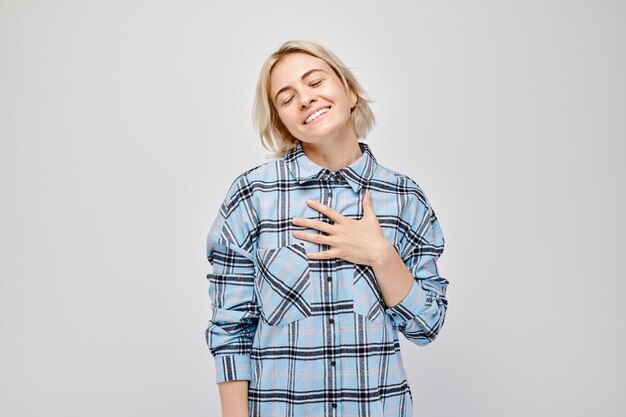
[333, 363]
[334, 405]
[331, 321]
[329, 279]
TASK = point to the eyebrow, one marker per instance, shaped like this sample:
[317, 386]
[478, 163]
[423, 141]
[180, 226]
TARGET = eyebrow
[306, 74]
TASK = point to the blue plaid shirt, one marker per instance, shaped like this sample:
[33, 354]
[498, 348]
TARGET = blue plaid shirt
[314, 337]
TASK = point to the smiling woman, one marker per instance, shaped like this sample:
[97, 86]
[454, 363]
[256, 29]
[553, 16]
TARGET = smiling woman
[321, 257]
[300, 71]
[307, 88]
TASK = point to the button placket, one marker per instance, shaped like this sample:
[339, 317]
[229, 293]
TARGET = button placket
[329, 190]
[330, 321]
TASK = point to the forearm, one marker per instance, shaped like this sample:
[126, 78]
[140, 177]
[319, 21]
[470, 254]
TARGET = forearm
[393, 277]
[234, 398]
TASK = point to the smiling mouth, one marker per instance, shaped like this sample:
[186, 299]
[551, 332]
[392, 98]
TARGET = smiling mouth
[316, 115]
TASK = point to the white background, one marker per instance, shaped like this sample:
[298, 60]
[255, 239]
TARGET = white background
[123, 123]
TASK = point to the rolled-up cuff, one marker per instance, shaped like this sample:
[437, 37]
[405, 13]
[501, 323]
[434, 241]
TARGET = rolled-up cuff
[232, 367]
[415, 302]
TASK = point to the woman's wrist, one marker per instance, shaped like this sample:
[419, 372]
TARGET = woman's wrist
[383, 253]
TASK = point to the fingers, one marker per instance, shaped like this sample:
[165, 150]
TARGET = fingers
[327, 254]
[329, 212]
[313, 224]
[312, 237]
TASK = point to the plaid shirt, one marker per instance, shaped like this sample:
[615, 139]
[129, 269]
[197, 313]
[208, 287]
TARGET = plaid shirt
[314, 337]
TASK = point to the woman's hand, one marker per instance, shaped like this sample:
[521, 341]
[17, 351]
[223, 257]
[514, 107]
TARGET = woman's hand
[357, 241]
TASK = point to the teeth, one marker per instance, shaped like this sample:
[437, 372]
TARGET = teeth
[315, 115]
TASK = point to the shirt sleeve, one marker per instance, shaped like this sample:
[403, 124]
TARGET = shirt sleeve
[420, 315]
[235, 313]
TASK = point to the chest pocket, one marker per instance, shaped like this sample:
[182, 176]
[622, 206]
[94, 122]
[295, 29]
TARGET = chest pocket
[368, 300]
[283, 284]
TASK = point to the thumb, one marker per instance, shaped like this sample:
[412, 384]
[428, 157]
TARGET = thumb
[367, 204]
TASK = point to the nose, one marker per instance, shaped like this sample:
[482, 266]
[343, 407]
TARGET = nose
[305, 99]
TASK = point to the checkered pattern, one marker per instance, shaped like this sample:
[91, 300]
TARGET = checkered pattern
[314, 337]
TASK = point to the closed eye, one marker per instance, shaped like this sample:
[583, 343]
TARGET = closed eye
[315, 84]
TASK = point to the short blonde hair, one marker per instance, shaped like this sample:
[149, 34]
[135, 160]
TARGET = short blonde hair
[274, 135]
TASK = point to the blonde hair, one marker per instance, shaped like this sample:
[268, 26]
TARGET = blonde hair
[274, 135]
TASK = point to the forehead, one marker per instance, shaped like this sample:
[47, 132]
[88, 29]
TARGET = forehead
[291, 67]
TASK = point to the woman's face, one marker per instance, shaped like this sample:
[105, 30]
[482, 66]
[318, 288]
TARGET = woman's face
[300, 86]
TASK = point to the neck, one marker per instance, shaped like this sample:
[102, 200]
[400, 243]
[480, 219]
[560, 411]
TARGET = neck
[333, 155]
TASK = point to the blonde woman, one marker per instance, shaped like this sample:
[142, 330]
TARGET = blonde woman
[320, 257]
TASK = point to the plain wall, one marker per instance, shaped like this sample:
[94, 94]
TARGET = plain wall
[123, 123]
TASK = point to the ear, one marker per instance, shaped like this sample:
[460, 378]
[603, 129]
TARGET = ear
[354, 98]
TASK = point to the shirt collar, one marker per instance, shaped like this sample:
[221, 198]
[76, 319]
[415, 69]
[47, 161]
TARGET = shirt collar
[356, 174]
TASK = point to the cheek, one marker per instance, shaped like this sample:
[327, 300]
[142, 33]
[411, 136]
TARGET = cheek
[288, 118]
[281, 116]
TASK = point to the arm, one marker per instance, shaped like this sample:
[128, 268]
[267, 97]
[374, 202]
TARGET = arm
[409, 279]
[235, 313]
[393, 277]
[234, 398]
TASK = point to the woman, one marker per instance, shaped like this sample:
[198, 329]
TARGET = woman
[320, 257]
